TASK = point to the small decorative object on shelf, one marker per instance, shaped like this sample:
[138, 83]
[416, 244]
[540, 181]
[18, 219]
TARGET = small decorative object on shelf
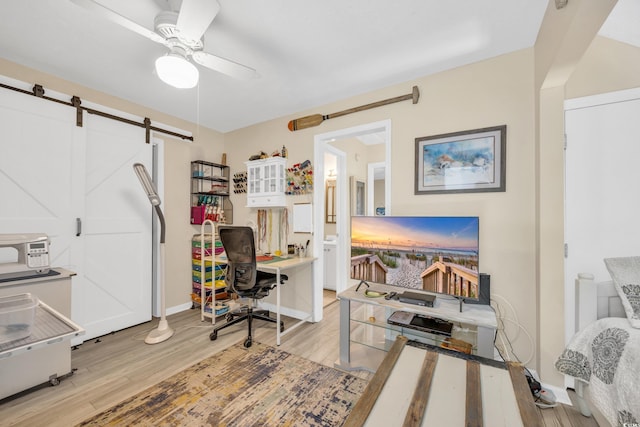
[210, 193]
[261, 155]
[300, 179]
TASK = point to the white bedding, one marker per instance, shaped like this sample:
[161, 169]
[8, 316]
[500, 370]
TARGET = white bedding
[606, 355]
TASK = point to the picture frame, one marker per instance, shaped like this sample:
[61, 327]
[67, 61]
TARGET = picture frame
[470, 161]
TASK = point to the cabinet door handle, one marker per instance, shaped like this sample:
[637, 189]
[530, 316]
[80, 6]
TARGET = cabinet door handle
[78, 227]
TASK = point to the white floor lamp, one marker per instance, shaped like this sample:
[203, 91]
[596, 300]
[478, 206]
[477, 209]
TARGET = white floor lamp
[163, 332]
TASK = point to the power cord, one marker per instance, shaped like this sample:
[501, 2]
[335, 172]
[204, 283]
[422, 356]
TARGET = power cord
[543, 398]
[502, 334]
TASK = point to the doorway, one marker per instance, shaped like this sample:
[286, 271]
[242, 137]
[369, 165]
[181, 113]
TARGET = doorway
[600, 209]
[338, 143]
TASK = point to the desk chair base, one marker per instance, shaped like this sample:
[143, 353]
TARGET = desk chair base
[249, 315]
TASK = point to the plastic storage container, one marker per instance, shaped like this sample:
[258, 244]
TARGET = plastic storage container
[17, 313]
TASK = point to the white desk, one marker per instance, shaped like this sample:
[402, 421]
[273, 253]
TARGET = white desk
[277, 267]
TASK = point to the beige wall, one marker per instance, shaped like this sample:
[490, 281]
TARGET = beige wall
[489, 93]
[606, 66]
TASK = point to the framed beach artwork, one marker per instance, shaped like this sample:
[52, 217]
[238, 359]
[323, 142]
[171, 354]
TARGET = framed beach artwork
[461, 162]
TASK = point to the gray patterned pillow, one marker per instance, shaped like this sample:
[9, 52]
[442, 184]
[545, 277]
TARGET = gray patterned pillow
[625, 273]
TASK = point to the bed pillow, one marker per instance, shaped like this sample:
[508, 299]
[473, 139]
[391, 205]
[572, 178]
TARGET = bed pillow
[625, 273]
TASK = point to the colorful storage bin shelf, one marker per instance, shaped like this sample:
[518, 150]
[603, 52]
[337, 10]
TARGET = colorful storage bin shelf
[208, 270]
[197, 266]
[197, 243]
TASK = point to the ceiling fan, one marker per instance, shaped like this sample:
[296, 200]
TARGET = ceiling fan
[182, 33]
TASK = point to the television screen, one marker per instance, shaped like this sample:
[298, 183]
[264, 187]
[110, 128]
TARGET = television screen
[436, 254]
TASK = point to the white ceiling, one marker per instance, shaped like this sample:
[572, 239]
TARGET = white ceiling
[307, 53]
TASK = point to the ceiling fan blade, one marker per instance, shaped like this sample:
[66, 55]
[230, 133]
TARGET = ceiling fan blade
[195, 17]
[119, 19]
[224, 66]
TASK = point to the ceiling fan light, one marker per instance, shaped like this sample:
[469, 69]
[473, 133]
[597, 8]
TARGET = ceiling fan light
[176, 71]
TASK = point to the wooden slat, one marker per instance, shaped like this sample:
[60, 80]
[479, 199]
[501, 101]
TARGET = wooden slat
[362, 408]
[421, 393]
[474, 395]
[528, 410]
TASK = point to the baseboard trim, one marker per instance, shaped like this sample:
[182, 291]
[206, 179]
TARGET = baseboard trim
[179, 308]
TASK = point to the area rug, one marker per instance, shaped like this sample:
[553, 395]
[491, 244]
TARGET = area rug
[258, 386]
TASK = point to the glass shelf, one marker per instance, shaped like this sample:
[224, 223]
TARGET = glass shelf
[369, 328]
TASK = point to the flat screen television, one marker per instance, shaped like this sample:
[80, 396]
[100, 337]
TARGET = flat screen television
[436, 254]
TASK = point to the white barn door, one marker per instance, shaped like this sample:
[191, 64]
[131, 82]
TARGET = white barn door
[602, 193]
[36, 152]
[55, 176]
[113, 252]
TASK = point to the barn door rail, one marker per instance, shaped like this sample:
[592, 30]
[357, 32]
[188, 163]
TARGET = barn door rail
[38, 91]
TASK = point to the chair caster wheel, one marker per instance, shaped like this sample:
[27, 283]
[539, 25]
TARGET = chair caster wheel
[247, 343]
[229, 317]
[213, 336]
[281, 326]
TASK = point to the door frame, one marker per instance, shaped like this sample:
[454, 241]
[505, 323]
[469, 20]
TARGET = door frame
[158, 180]
[322, 143]
[599, 272]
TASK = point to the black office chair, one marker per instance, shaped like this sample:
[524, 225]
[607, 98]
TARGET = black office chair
[244, 279]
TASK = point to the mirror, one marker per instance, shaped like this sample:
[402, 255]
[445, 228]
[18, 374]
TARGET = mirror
[376, 189]
[358, 196]
[330, 201]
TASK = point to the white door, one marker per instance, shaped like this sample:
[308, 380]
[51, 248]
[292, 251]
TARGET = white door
[54, 174]
[36, 191]
[602, 193]
[113, 252]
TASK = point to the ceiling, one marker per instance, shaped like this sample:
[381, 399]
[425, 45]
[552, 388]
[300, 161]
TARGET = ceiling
[307, 53]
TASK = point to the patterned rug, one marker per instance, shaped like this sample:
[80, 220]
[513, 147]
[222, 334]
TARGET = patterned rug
[258, 386]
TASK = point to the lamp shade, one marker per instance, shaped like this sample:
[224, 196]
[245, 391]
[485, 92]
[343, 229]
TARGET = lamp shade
[176, 71]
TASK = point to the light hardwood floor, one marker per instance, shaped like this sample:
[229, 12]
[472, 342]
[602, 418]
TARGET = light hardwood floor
[113, 367]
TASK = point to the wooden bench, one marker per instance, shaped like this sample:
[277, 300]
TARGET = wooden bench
[418, 384]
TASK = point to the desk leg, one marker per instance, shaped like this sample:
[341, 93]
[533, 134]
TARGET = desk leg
[485, 341]
[278, 306]
[345, 331]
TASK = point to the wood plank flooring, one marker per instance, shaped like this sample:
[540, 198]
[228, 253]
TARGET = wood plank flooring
[115, 366]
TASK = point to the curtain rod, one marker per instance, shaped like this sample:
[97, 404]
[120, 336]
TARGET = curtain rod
[38, 91]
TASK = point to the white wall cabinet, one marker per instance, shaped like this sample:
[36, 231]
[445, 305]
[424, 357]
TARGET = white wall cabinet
[266, 180]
